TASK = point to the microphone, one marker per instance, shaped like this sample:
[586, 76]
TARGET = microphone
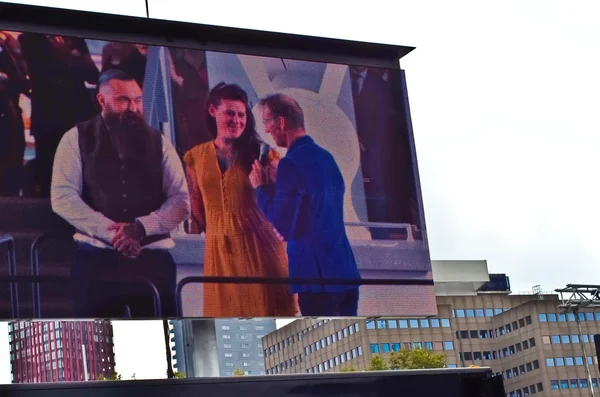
[263, 156]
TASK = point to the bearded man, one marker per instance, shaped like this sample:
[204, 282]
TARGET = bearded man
[121, 185]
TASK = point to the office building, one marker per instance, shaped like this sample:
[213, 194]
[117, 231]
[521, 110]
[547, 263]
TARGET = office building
[480, 322]
[55, 351]
[219, 347]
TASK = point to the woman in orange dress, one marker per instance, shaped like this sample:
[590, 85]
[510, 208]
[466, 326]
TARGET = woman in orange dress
[240, 241]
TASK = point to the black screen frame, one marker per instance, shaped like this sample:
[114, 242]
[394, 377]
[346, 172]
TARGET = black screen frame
[111, 27]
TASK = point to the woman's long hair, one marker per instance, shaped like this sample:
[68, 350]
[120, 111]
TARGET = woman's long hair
[247, 146]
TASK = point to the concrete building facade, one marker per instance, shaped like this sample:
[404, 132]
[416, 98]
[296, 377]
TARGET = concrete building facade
[205, 347]
[538, 350]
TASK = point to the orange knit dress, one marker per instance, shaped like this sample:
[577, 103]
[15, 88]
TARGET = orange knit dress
[239, 241]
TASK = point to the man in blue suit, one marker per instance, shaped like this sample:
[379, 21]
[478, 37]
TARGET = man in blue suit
[304, 199]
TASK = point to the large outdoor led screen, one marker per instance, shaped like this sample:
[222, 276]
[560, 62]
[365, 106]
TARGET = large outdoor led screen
[169, 164]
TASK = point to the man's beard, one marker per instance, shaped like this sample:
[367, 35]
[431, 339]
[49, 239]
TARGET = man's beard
[129, 130]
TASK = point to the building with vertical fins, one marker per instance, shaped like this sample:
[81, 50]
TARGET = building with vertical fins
[57, 351]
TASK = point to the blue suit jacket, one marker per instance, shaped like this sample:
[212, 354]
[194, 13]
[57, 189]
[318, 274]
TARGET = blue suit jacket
[306, 207]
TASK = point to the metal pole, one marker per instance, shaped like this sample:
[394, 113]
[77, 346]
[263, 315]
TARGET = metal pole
[167, 334]
[85, 368]
[585, 356]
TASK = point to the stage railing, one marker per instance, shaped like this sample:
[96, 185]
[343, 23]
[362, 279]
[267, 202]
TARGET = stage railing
[34, 265]
[8, 240]
[285, 280]
[410, 231]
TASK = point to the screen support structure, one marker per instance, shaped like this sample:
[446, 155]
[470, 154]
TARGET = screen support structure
[580, 296]
[147, 10]
[167, 334]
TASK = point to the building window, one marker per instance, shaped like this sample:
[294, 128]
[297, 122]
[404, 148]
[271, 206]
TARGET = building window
[489, 313]
[385, 347]
[470, 313]
[424, 323]
[460, 313]
[479, 313]
[370, 324]
[395, 347]
[226, 336]
[225, 327]
[229, 355]
[589, 316]
[569, 361]
[531, 342]
[445, 323]
[403, 323]
[552, 317]
[575, 338]
[381, 324]
[374, 347]
[435, 323]
[360, 350]
[414, 323]
[564, 384]
[448, 345]
[550, 362]
[560, 362]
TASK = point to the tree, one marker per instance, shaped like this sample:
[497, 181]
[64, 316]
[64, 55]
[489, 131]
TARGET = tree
[239, 372]
[113, 376]
[417, 359]
[348, 369]
[377, 364]
[179, 375]
[133, 376]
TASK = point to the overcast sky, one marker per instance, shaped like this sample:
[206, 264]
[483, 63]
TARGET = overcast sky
[505, 106]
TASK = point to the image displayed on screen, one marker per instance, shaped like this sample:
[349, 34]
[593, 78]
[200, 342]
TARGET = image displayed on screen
[142, 167]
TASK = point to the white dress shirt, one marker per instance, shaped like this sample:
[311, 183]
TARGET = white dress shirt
[67, 185]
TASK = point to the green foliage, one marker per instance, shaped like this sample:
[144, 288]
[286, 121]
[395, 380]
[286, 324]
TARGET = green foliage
[417, 359]
[348, 369]
[113, 376]
[239, 372]
[377, 364]
[179, 375]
